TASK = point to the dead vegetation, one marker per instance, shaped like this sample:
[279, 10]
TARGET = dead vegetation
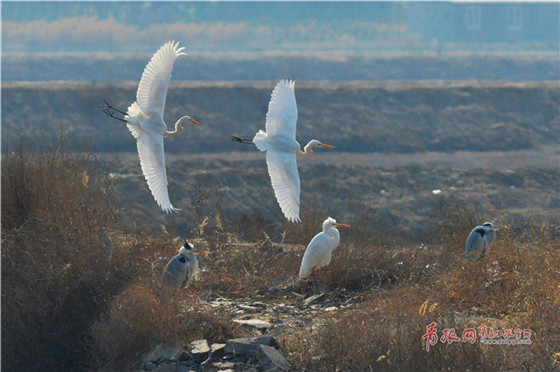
[67, 305]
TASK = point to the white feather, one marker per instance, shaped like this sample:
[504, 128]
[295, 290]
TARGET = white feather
[282, 168]
[152, 90]
[145, 120]
[279, 142]
[282, 112]
[319, 250]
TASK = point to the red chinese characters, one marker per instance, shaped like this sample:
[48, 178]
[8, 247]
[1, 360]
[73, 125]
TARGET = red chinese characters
[469, 335]
[430, 336]
[449, 336]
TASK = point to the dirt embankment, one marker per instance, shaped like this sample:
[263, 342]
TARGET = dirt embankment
[354, 117]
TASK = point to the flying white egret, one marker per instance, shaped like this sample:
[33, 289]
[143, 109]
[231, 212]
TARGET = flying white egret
[279, 142]
[181, 269]
[319, 251]
[481, 238]
[144, 119]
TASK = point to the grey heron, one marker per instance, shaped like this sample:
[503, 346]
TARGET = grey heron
[319, 250]
[182, 268]
[105, 240]
[481, 238]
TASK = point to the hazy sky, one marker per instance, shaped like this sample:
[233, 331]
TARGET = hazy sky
[235, 26]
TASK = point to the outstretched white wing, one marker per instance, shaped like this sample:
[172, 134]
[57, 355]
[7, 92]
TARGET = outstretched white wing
[152, 161]
[282, 113]
[152, 89]
[282, 168]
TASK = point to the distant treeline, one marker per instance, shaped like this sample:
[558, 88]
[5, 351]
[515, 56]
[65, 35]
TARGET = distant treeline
[354, 117]
[91, 67]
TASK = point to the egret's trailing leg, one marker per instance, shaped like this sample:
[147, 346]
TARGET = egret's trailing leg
[109, 110]
[242, 140]
[107, 105]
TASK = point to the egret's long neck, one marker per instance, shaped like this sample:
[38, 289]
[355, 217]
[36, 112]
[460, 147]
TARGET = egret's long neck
[307, 150]
[332, 232]
[178, 128]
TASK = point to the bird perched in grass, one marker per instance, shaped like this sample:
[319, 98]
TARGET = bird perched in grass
[181, 269]
[319, 251]
[481, 238]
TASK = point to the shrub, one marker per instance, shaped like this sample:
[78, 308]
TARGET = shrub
[54, 269]
[144, 315]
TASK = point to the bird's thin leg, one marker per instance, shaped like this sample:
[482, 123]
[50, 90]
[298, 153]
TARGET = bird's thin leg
[111, 114]
[317, 289]
[107, 105]
[241, 140]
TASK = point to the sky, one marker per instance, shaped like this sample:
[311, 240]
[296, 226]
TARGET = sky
[254, 26]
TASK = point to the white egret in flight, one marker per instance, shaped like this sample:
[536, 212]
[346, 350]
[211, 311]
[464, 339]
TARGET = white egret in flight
[181, 269]
[481, 238]
[279, 142]
[144, 119]
[319, 251]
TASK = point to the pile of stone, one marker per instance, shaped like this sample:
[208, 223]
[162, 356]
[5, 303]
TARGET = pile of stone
[240, 354]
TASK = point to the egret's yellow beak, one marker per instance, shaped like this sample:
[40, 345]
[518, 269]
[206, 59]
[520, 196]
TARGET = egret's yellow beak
[342, 225]
[201, 252]
[329, 146]
[503, 228]
[194, 121]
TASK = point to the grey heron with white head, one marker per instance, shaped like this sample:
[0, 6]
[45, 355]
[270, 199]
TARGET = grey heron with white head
[481, 238]
[181, 269]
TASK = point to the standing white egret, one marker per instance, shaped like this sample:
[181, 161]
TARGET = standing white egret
[279, 142]
[181, 269]
[481, 238]
[319, 251]
[144, 119]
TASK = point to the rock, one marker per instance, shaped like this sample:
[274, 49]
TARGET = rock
[314, 299]
[248, 308]
[221, 366]
[156, 355]
[149, 366]
[268, 341]
[278, 281]
[217, 350]
[256, 323]
[170, 367]
[271, 360]
[179, 355]
[304, 320]
[248, 346]
[200, 350]
[160, 354]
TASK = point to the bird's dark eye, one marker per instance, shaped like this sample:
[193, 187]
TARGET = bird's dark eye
[182, 259]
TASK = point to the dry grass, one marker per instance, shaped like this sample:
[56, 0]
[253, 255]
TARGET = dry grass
[143, 316]
[54, 269]
[516, 286]
[67, 306]
[383, 334]
[62, 295]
